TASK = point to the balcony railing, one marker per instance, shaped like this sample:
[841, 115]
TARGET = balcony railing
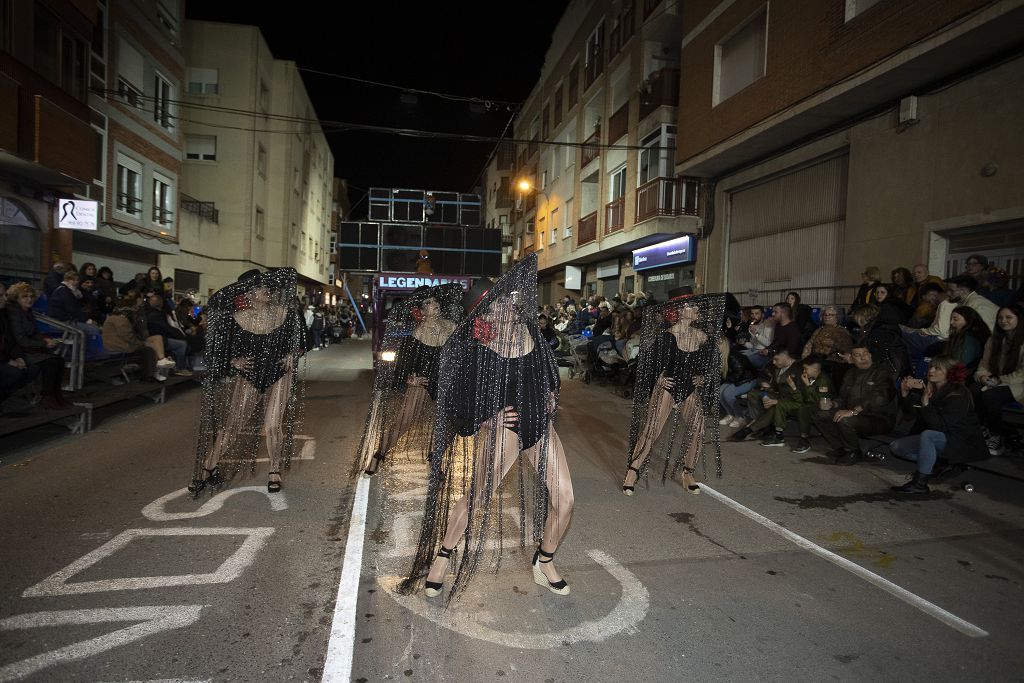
[587, 229]
[618, 124]
[591, 148]
[650, 6]
[667, 197]
[614, 215]
[661, 88]
[207, 210]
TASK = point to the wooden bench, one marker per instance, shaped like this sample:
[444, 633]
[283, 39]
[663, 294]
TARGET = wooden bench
[156, 392]
[77, 419]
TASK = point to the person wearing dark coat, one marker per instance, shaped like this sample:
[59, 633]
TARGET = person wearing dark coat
[21, 362]
[65, 302]
[802, 315]
[945, 410]
[54, 277]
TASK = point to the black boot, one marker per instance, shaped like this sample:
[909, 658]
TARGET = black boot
[740, 434]
[918, 484]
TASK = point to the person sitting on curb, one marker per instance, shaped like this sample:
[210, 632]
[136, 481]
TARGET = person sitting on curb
[811, 387]
[773, 390]
[949, 426]
[866, 406]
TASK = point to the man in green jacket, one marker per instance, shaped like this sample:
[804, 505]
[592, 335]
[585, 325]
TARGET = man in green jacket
[809, 387]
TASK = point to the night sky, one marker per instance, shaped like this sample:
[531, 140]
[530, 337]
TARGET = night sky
[450, 47]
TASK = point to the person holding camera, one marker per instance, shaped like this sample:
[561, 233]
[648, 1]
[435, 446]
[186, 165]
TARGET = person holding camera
[945, 411]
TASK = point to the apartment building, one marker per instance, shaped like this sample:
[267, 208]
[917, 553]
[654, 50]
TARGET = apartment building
[341, 207]
[135, 78]
[846, 133]
[598, 134]
[257, 168]
[47, 146]
[497, 196]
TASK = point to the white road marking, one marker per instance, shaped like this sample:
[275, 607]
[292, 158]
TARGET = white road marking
[229, 570]
[155, 510]
[624, 617]
[154, 620]
[903, 594]
[338, 663]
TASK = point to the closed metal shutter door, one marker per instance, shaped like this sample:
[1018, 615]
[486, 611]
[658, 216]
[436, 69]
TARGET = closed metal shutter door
[785, 234]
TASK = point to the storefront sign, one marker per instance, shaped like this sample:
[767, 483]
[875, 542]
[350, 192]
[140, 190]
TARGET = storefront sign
[395, 281]
[608, 269]
[662, 277]
[573, 277]
[77, 214]
[672, 252]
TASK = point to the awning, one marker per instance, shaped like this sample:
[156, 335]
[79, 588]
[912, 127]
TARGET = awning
[17, 169]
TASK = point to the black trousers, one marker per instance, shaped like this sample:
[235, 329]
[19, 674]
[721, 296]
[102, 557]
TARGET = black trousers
[51, 368]
[12, 378]
[989, 404]
[847, 433]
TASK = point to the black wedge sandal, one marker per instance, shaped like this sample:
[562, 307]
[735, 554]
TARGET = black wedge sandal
[628, 490]
[433, 588]
[274, 486]
[213, 479]
[541, 557]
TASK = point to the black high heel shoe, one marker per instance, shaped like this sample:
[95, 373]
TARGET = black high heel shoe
[213, 479]
[433, 588]
[374, 465]
[628, 490]
[274, 486]
[541, 557]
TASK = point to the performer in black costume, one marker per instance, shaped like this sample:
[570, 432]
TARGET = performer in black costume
[255, 336]
[405, 389]
[497, 394]
[679, 373]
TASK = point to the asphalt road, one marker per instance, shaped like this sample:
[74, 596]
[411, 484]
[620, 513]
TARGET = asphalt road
[112, 575]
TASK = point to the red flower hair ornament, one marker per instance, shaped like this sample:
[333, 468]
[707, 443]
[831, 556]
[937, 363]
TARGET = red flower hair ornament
[417, 314]
[957, 374]
[483, 330]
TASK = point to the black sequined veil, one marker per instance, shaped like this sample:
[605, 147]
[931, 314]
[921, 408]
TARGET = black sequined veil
[404, 353]
[233, 415]
[697, 373]
[496, 358]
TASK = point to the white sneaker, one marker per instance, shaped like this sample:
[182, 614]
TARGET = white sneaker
[726, 419]
[736, 422]
[159, 377]
[165, 363]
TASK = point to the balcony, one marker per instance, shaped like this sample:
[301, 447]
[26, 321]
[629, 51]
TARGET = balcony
[207, 210]
[591, 148]
[650, 6]
[667, 197]
[587, 229]
[662, 88]
[618, 124]
[614, 215]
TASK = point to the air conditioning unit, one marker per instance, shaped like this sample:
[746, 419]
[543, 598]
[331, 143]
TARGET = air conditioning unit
[908, 110]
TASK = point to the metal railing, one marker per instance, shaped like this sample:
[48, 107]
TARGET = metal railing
[587, 229]
[660, 88]
[614, 215]
[591, 148]
[829, 295]
[657, 197]
[73, 350]
[618, 123]
[207, 210]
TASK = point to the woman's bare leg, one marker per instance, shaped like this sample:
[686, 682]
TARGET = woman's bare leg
[506, 452]
[273, 421]
[243, 398]
[560, 494]
[658, 410]
[692, 416]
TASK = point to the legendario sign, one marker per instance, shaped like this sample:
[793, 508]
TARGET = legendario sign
[402, 281]
[670, 253]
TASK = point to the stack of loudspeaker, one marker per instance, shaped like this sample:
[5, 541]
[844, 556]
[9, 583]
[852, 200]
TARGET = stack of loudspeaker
[402, 222]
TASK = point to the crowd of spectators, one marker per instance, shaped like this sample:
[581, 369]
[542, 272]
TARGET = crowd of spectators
[899, 364]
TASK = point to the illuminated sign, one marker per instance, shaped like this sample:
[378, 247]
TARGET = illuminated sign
[670, 253]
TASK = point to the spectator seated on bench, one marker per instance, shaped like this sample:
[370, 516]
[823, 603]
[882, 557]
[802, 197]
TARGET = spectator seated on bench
[775, 390]
[947, 425]
[24, 352]
[1000, 376]
[123, 333]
